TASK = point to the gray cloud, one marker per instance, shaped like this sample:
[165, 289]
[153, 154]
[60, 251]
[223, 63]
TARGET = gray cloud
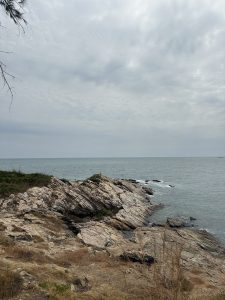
[111, 78]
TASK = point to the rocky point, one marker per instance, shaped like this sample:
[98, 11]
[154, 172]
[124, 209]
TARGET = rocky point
[91, 239]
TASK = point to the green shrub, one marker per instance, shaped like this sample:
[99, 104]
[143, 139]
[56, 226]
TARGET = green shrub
[55, 288]
[95, 178]
[16, 182]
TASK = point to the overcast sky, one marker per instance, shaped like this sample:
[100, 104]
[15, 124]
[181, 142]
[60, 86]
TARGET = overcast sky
[115, 78]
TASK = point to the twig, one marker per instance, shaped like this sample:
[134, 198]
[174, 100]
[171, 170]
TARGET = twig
[4, 75]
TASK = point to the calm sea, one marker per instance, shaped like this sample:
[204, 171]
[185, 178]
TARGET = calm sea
[199, 183]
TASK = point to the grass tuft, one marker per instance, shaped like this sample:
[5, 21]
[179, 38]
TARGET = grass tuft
[81, 257]
[21, 253]
[10, 284]
[55, 288]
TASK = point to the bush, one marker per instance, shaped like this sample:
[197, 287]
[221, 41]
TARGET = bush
[55, 288]
[16, 182]
[96, 178]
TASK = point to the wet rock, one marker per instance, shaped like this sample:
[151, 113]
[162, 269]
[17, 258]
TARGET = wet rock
[156, 180]
[172, 186]
[133, 181]
[148, 190]
[157, 224]
[179, 222]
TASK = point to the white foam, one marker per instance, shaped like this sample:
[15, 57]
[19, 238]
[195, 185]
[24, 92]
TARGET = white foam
[141, 181]
[160, 184]
[156, 183]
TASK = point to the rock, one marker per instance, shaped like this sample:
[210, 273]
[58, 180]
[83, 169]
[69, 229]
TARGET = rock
[83, 227]
[99, 235]
[80, 285]
[133, 181]
[178, 222]
[22, 237]
[172, 186]
[148, 190]
[157, 224]
[192, 219]
[156, 180]
[121, 202]
[137, 257]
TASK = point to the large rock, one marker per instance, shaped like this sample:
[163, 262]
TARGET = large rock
[123, 204]
[179, 222]
[80, 228]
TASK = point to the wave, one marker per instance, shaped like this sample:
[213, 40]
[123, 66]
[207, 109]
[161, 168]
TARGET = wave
[156, 182]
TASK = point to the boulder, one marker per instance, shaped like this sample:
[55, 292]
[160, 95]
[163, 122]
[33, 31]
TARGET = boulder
[137, 257]
[156, 180]
[179, 222]
[122, 203]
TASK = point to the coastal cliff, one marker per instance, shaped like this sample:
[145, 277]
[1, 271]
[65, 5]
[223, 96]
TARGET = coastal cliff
[91, 240]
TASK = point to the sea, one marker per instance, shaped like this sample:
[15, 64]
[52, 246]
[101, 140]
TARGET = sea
[190, 187]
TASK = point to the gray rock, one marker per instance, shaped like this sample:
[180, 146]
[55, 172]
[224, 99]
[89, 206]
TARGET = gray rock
[80, 285]
[179, 222]
[137, 257]
[121, 202]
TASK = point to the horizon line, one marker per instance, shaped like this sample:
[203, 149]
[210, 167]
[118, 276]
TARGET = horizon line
[114, 157]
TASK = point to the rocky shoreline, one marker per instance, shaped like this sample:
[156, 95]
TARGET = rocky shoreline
[104, 217]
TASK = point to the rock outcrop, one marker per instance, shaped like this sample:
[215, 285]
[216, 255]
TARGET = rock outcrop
[75, 236]
[122, 204]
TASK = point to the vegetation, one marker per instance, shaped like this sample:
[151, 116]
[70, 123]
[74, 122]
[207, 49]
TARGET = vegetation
[16, 182]
[10, 284]
[14, 9]
[81, 257]
[65, 181]
[55, 288]
[95, 178]
[5, 241]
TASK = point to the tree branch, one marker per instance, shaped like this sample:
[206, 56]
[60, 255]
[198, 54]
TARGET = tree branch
[4, 74]
[14, 9]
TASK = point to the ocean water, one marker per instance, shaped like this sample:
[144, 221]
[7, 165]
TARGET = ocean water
[199, 183]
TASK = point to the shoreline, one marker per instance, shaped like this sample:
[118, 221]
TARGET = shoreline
[98, 226]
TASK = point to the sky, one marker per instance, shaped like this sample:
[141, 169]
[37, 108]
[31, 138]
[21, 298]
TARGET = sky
[115, 78]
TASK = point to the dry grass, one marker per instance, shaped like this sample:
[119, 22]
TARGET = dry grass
[220, 296]
[2, 227]
[10, 284]
[52, 222]
[169, 280]
[110, 278]
[27, 255]
[81, 257]
[6, 241]
[165, 278]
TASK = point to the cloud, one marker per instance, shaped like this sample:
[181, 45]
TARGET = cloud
[143, 72]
